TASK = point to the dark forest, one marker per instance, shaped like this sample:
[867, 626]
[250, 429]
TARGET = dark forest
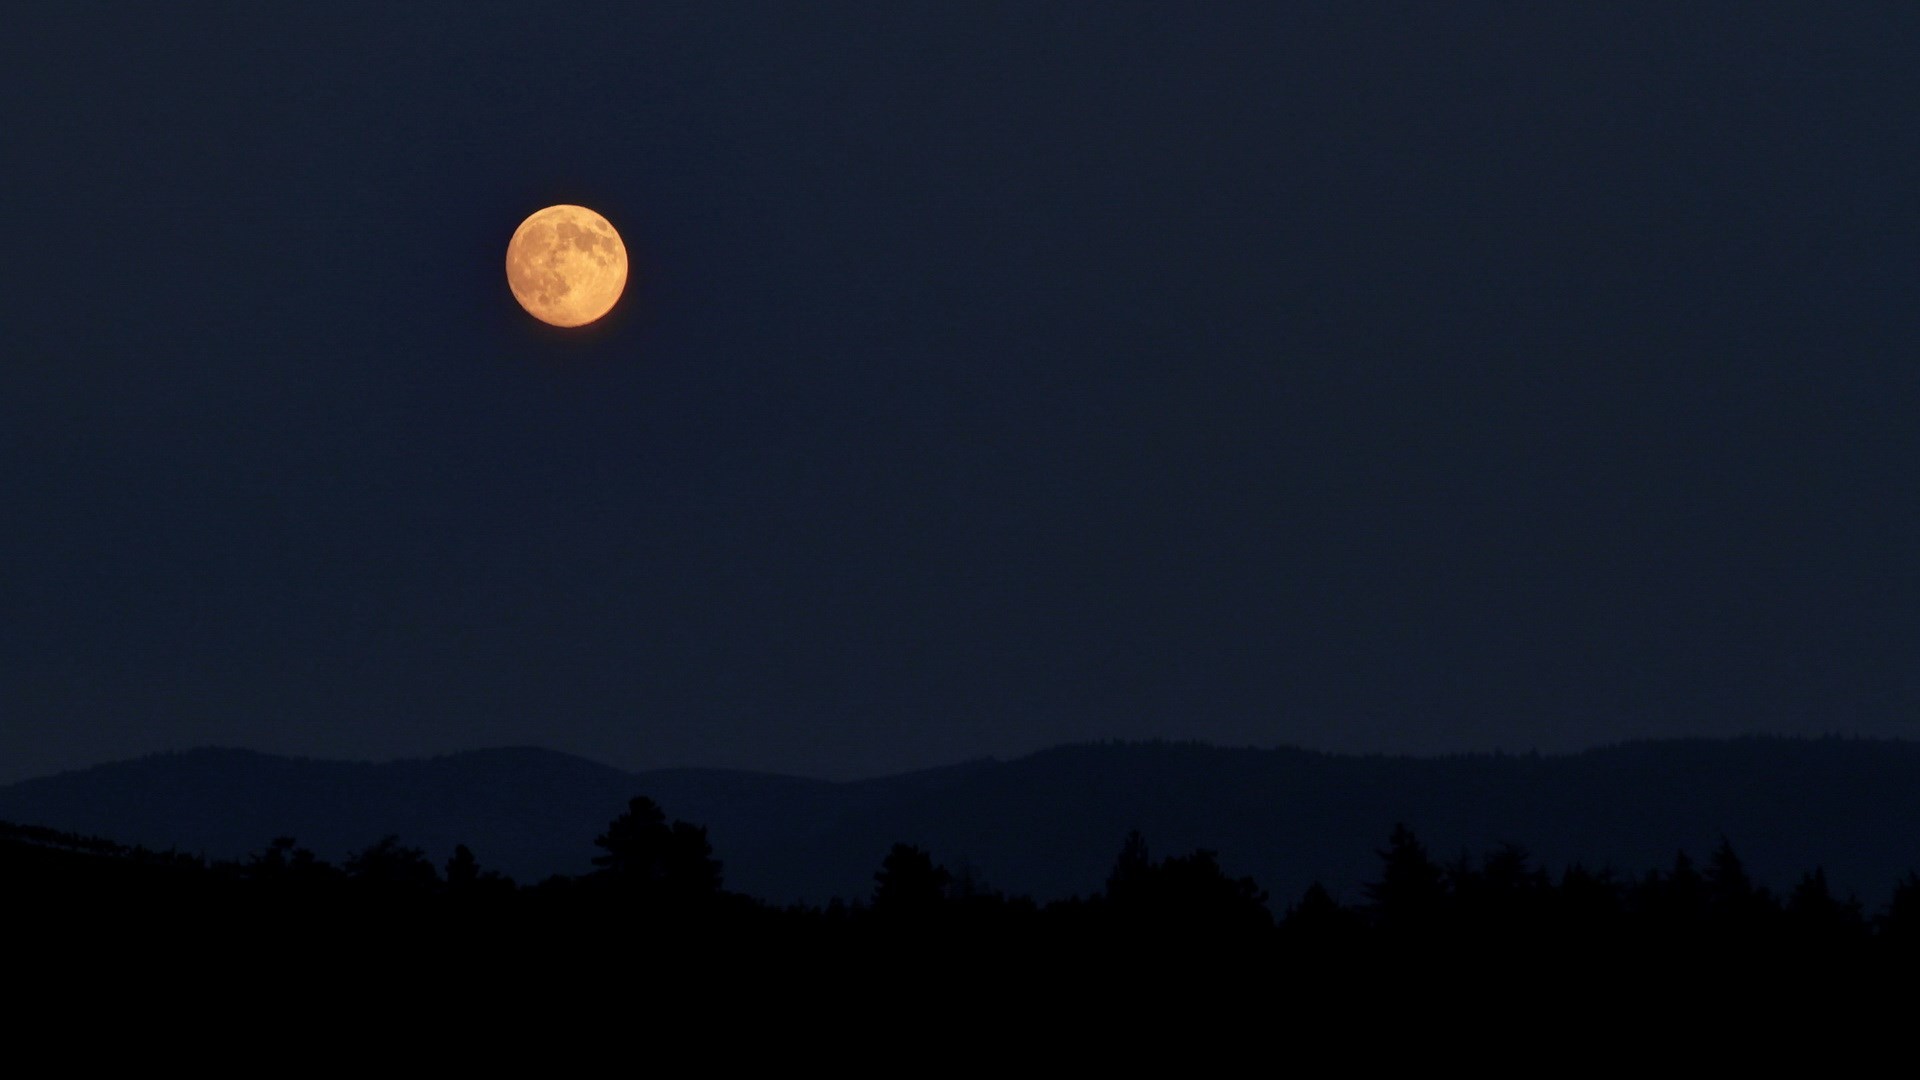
[657, 892]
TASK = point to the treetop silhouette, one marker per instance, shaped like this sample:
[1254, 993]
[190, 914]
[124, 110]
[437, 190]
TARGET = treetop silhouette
[643, 853]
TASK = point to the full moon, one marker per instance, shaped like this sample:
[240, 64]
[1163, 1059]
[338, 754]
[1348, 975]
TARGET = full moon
[566, 265]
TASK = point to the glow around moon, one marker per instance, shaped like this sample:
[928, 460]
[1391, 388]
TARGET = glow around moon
[566, 265]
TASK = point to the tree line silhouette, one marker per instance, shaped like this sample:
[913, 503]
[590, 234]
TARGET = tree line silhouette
[657, 886]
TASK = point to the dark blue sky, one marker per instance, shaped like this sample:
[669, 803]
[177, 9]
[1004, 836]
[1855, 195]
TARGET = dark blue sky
[1399, 377]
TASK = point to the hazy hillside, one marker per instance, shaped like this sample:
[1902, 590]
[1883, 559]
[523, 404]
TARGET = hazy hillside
[1049, 824]
[529, 812]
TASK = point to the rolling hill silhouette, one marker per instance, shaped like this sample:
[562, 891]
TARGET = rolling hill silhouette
[1048, 825]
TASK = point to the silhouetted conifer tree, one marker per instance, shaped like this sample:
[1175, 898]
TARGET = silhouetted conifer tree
[1670, 907]
[1132, 869]
[1586, 907]
[1818, 917]
[286, 869]
[1503, 898]
[1188, 894]
[1319, 921]
[1730, 892]
[1900, 923]
[646, 855]
[391, 865]
[909, 884]
[1411, 893]
[1196, 891]
[1737, 907]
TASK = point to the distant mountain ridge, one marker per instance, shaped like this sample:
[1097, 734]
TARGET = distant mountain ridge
[1048, 825]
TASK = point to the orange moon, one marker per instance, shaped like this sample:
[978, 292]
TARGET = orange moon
[566, 265]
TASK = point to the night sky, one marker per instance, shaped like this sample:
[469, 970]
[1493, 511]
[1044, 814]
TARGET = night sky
[1371, 377]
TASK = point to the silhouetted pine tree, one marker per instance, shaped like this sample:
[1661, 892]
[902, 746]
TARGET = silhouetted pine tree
[1900, 924]
[1504, 899]
[1816, 918]
[1411, 895]
[1585, 910]
[1132, 869]
[1669, 910]
[909, 886]
[647, 857]
[1187, 895]
[391, 865]
[1737, 907]
[1318, 922]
